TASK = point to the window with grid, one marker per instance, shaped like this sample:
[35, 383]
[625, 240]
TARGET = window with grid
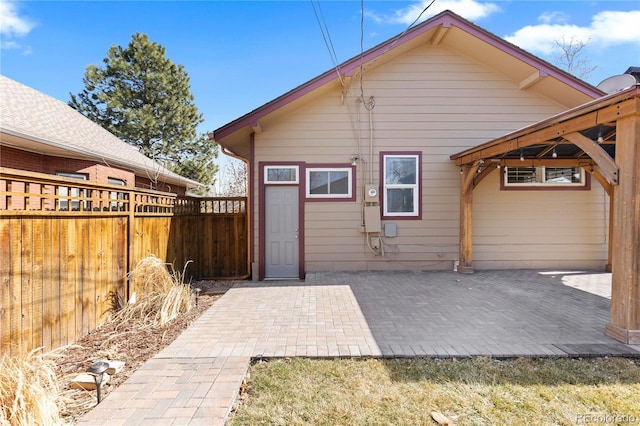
[401, 178]
[544, 176]
[329, 182]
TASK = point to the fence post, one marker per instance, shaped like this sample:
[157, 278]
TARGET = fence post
[131, 242]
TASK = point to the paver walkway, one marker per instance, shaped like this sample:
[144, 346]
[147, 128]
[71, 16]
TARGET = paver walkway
[195, 380]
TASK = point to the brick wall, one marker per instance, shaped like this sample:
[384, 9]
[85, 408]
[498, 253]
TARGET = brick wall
[21, 160]
[95, 171]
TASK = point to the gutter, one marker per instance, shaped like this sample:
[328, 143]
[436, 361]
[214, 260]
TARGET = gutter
[190, 184]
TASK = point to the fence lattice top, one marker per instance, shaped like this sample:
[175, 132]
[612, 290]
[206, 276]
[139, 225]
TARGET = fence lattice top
[214, 205]
[36, 193]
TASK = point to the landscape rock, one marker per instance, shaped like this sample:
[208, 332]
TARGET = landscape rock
[87, 382]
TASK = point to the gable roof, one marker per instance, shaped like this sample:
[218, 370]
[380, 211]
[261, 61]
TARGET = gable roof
[446, 29]
[33, 121]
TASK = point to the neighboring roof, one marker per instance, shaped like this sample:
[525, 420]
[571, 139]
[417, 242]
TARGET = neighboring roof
[447, 29]
[33, 121]
[634, 71]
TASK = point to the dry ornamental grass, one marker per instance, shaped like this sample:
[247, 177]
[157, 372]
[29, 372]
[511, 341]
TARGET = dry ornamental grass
[34, 390]
[28, 391]
[165, 295]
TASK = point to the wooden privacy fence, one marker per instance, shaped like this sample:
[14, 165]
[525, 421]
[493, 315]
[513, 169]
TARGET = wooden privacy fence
[213, 233]
[67, 245]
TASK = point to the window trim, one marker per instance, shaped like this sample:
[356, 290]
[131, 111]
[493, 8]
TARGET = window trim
[543, 186]
[417, 187]
[281, 182]
[351, 175]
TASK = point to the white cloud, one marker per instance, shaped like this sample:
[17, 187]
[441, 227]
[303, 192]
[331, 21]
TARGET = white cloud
[542, 38]
[9, 44]
[12, 25]
[468, 9]
[616, 27]
[553, 17]
[606, 28]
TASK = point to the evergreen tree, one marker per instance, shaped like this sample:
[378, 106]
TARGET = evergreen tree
[145, 99]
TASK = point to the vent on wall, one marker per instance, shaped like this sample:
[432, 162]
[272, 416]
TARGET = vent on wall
[390, 230]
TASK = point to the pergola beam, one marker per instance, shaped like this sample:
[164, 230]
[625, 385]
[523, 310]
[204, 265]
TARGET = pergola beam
[549, 162]
[469, 174]
[548, 130]
[607, 166]
[600, 178]
[483, 174]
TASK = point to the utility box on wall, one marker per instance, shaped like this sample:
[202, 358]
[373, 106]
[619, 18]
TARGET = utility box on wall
[371, 193]
[390, 230]
[372, 218]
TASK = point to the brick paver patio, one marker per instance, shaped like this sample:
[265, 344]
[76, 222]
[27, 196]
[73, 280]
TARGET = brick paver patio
[196, 379]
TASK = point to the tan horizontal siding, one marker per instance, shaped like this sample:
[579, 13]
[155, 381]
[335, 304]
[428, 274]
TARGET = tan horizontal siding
[380, 265]
[565, 227]
[538, 253]
[547, 264]
[436, 102]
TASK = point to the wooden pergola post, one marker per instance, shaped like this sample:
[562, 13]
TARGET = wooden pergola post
[612, 196]
[625, 278]
[465, 265]
[610, 190]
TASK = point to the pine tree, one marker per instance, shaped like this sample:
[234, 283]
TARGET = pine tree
[142, 97]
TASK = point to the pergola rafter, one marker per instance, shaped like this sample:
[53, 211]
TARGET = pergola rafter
[602, 137]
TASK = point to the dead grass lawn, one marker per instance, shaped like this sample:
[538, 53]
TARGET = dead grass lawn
[468, 391]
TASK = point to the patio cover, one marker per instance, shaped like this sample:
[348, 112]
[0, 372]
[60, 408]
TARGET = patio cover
[603, 137]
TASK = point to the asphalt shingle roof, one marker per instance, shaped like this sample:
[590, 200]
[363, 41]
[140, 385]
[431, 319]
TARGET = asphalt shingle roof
[32, 115]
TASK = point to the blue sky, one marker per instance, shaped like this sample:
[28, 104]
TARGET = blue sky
[242, 54]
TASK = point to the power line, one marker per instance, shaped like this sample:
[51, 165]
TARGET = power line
[326, 36]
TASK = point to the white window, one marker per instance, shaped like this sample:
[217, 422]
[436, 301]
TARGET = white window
[329, 182]
[75, 192]
[116, 181]
[544, 176]
[281, 174]
[401, 177]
